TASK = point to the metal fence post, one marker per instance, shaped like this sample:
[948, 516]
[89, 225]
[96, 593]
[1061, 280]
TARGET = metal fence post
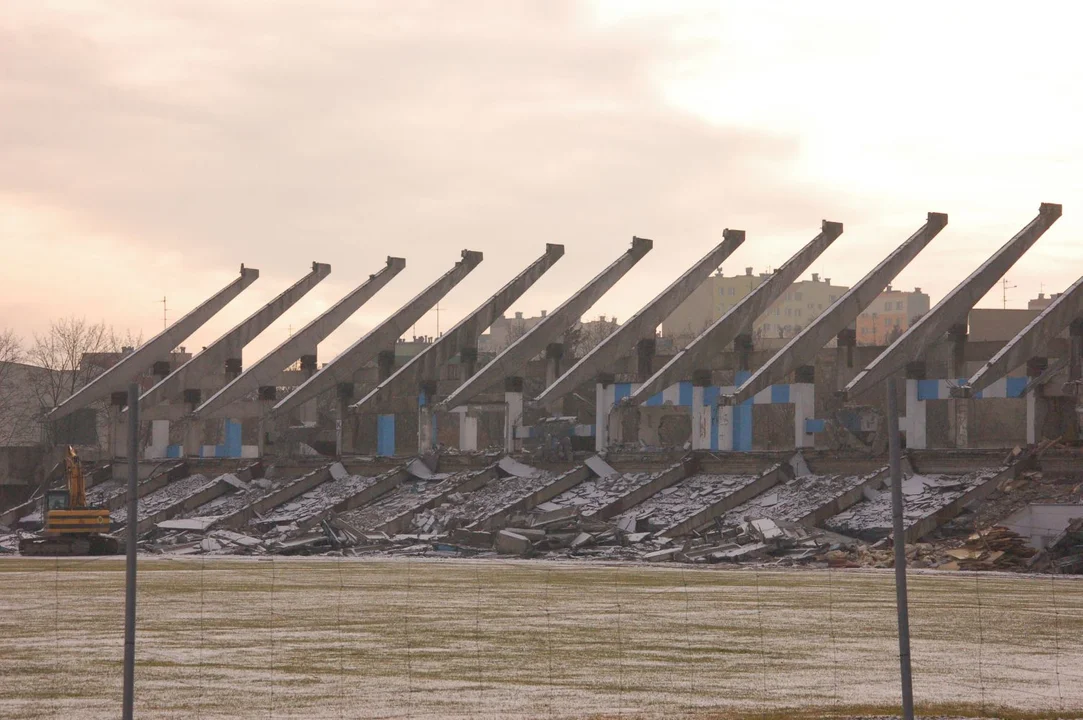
[899, 541]
[132, 522]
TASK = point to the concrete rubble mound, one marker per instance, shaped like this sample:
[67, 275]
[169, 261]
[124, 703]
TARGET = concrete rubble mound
[924, 495]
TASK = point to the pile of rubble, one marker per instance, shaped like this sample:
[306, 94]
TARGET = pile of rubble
[923, 495]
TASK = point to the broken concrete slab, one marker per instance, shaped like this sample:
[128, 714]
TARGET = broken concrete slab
[535, 498]
[745, 490]
[276, 497]
[512, 543]
[929, 500]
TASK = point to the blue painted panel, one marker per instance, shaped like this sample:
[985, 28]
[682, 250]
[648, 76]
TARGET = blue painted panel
[685, 395]
[780, 394]
[173, 451]
[812, 425]
[654, 400]
[385, 435]
[928, 389]
[232, 447]
[621, 391]
[1016, 385]
[710, 395]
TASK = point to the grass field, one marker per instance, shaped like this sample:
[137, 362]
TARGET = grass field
[332, 638]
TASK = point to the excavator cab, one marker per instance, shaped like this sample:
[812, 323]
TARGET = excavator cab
[57, 500]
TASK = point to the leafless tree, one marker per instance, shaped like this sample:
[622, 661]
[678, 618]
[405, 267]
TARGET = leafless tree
[71, 354]
[10, 354]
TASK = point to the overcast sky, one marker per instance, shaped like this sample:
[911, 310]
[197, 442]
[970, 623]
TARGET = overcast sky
[148, 149]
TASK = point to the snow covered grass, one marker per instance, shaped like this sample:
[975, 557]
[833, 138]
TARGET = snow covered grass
[329, 638]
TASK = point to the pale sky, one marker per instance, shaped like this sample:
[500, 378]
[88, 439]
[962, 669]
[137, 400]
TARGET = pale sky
[150, 148]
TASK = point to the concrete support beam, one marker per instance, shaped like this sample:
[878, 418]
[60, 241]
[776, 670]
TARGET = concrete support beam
[299, 486]
[500, 518]
[688, 465]
[210, 491]
[554, 353]
[701, 411]
[462, 339]
[643, 324]
[954, 308]
[154, 351]
[1031, 340]
[154, 483]
[511, 361]
[470, 483]
[513, 418]
[738, 320]
[226, 350]
[915, 422]
[803, 397]
[300, 346]
[833, 506]
[604, 397]
[770, 477]
[385, 484]
[801, 349]
[345, 366]
[931, 522]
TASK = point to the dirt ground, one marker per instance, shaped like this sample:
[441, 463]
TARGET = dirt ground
[348, 638]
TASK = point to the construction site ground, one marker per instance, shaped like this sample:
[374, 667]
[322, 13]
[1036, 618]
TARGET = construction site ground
[330, 637]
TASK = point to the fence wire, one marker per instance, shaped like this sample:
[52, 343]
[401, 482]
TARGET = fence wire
[490, 638]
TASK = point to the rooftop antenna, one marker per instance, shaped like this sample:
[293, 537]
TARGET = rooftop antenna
[1006, 287]
[165, 322]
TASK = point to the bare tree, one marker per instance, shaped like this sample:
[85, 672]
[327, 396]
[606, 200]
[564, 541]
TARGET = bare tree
[10, 354]
[64, 358]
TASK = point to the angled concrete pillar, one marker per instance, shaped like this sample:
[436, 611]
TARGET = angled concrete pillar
[155, 352]
[511, 361]
[345, 366]
[739, 319]
[226, 350]
[951, 312]
[462, 339]
[641, 327]
[802, 349]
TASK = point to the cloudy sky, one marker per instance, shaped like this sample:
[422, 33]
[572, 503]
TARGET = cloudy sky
[148, 149]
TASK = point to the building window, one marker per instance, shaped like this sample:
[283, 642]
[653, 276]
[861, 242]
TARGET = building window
[797, 313]
[899, 305]
[788, 312]
[797, 296]
[887, 306]
[778, 311]
[833, 298]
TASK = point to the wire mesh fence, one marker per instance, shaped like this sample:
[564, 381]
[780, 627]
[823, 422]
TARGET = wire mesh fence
[348, 638]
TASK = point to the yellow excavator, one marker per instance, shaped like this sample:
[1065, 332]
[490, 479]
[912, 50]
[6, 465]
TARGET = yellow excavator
[70, 527]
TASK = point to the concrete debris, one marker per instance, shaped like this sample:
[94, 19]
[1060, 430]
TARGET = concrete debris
[319, 499]
[163, 498]
[509, 542]
[679, 502]
[923, 495]
[592, 495]
[796, 499]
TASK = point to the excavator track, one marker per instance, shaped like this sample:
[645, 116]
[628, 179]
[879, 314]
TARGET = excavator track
[69, 546]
